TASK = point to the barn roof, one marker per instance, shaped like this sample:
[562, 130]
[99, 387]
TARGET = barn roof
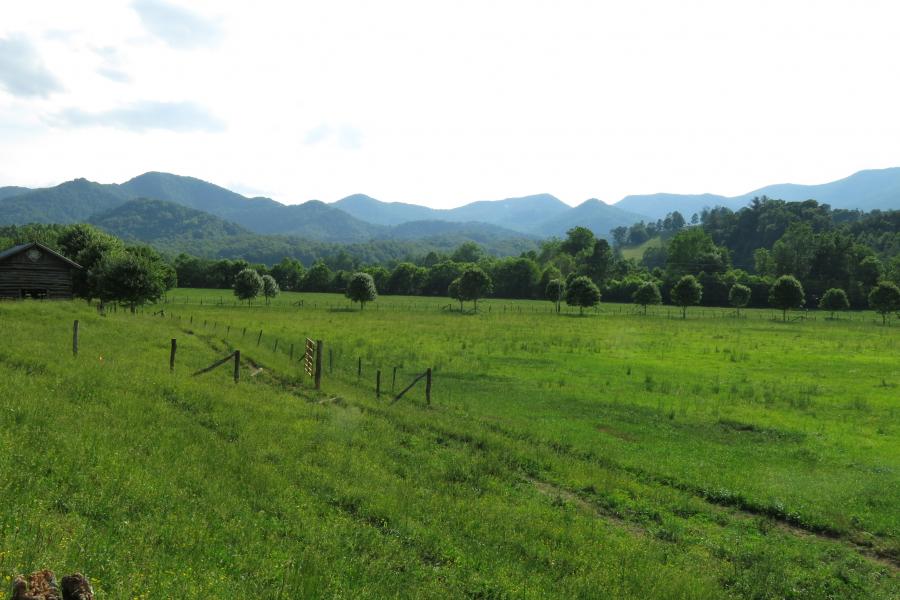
[23, 247]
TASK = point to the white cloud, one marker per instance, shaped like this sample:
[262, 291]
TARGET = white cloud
[22, 72]
[143, 116]
[175, 25]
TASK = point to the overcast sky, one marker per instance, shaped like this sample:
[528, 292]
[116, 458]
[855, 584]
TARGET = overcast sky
[443, 103]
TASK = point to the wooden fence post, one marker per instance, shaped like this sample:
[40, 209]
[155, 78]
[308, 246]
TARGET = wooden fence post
[75, 338]
[237, 366]
[378, 383]
[172, 354]
[428, 386]
[318, 375]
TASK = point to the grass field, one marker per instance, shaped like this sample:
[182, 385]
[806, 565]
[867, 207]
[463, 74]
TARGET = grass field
[637, 252]
[613, 455]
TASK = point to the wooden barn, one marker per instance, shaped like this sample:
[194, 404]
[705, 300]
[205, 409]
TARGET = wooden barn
[35, 271]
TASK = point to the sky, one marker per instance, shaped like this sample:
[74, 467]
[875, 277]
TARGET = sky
[444, 103]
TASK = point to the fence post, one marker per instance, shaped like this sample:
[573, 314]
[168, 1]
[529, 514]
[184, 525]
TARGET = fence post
[378, 383]
[428, 386]
[318, 378]
[75, 338]
[237, 366]
[172, 354]
[259, 339]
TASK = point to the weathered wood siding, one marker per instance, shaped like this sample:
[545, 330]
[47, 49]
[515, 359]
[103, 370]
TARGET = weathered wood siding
[19, 272]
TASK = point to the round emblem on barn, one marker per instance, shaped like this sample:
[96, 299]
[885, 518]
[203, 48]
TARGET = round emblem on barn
[33, 255]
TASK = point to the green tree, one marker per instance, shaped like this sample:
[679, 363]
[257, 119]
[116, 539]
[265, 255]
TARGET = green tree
[555, 291]
[691, 251]
[762, 262]
[583, 293]
[440, 276]
[454, 292]
[786, 294]
[474, 284]
[404, 280]
[248, 285]
[597, 263]
[128, 278]
[515, 278]
[87, 246]
[361, 288]
[318, 278]
[380, 276]
[578, 240]
[467, 252]
[270, 287]
[647, 294]
[792, 253]
[686, 292]
[885, 299]
[289, 274]
[869, 271]
[739, 297]
[834, 300]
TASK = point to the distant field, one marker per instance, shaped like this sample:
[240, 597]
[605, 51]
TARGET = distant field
[613, 455]
[637, 252]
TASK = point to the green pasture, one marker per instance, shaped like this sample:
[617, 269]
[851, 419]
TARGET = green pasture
[605, 456]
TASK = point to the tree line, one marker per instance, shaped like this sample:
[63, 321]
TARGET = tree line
[832, 254]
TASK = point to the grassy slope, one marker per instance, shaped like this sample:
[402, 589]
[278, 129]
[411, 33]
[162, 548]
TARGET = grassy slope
[561, 456]
[637, 252]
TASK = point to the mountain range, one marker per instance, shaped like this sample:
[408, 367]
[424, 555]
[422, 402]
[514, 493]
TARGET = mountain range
[865, 190]
[157, 207]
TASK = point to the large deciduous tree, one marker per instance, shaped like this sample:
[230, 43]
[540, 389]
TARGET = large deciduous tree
[578, 239]
[130, 278]
[835, 299]
[555, 291]
[739, 297]
[270, 287]
[647, 294]
[786, 294]
[318, 278]
[474, 284]
[686, 292]
[885, 299]
[361, 288]
[583, 293]
[248, 285]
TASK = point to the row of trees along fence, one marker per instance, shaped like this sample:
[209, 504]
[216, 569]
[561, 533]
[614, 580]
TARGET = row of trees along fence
[537, 307]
